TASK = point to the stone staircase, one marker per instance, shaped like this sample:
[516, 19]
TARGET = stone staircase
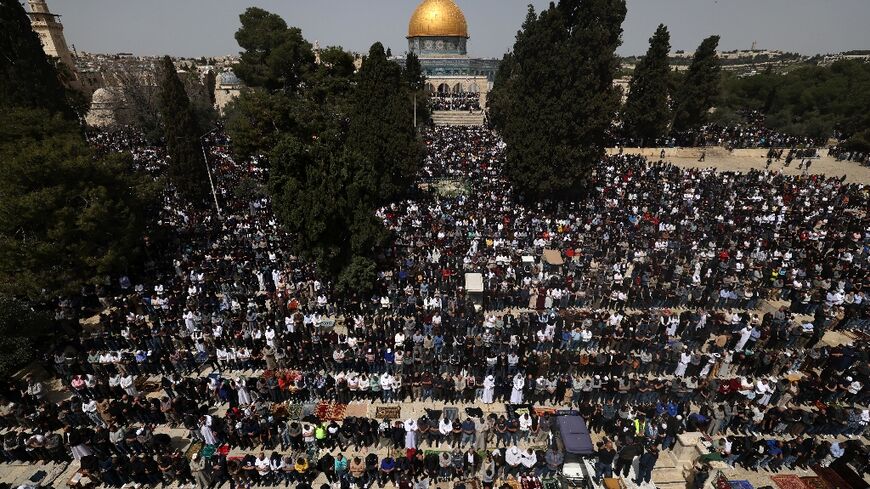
[457, 118]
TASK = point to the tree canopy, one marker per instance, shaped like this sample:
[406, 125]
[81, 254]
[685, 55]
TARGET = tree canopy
[554, 98]
[700, 88]
[274, 56]
[66, 217]
[647, 114]
[381, 124]
[814, 101]
[27, 77]
[187, 169]
[21, 326]
[340, 143]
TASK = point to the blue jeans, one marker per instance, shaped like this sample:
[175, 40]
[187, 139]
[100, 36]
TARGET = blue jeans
[601, 469]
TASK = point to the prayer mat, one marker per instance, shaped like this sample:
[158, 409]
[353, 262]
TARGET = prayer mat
[540, 411]
[279, 409]
[388, 412]
[788, 481]
[816, 482]
[516, 410]
[433, 413]
[832, 477]
[357, 410]
[193, 448]
[294, 411]
[740, 485]
[328, 411]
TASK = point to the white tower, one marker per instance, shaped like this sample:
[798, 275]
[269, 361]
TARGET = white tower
[47, 25]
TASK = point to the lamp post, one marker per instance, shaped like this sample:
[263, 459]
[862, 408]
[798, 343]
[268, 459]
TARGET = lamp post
[208, 170]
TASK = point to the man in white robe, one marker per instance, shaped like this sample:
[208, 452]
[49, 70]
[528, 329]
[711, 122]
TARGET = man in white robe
[517, 392]
[488, 389]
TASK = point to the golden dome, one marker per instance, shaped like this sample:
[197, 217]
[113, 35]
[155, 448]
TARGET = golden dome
[438, 18]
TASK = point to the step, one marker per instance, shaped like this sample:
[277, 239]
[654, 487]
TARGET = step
[668, 476]
[457, 118]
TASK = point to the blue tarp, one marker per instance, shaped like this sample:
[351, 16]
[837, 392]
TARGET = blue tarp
[575, 435]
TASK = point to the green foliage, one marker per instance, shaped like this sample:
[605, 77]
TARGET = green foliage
[339, 143]
[20, 327]
[321, 193]
[416, 81]
[554, 98]
[66, 218]
[810, 101]
[187, 169]
[275, 57]
[413, 73]
[381, 124]
[210, 85]
[27, 77]
[700, 87]
[646, 115]
[358, 276]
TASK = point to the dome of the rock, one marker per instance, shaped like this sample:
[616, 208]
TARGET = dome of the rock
[438, 18]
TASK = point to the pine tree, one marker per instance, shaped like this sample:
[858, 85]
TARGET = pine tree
[187, 169]
[700, 87]
[27, 77]
[555, 105]
[275, 57]
[646, 115]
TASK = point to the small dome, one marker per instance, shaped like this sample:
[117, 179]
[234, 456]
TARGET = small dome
[228, 78]
[438, 18]
[103, 96]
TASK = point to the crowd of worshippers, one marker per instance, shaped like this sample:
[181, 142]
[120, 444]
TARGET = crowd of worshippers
[468, 101]
[227, 296]
[841, 153]
[749, 132]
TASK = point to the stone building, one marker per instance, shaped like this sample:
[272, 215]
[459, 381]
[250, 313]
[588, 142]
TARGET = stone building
[227, 87]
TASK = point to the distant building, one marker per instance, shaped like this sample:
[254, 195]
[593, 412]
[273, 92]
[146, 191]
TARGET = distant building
[227, 87]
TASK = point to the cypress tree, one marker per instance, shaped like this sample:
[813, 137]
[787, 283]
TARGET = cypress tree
[416, 81]
[381, 124]
[646, 115]
[27, 77]
[187, 169]
[700, 87]
[555, 105]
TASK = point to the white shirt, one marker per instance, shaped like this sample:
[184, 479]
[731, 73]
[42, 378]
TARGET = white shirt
[262, 465]
[525, 422]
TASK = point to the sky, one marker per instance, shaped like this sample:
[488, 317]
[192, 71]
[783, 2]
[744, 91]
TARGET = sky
[206, 27]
